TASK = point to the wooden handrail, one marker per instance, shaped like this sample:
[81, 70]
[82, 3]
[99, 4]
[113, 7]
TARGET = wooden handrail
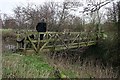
[82, 39]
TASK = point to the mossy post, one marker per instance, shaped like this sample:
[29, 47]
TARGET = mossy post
[25, 44]
[38, 45]
[97, 33]
[18, 36]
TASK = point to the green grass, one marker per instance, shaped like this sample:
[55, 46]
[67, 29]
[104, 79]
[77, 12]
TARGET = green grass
[29, 66]
[21, 66]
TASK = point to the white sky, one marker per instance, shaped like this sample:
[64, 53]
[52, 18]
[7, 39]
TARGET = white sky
[7, 6]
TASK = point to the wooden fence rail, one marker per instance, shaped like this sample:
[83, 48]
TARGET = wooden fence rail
[55, 40]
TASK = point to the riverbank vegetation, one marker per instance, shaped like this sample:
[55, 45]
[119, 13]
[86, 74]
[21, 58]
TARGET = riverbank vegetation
[17, 65]
[100, 61]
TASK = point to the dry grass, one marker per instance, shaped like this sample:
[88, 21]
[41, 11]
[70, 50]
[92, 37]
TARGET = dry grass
[87, 69]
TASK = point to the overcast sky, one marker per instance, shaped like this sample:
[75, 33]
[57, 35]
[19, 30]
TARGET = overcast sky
[7, 6]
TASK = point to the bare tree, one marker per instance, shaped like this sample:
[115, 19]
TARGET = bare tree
[94, 6]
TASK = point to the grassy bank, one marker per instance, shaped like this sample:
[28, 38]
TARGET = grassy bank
[33, 66]
[21, 66]
[28, 66]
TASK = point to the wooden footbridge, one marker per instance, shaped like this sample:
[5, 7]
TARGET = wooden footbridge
[55, 41]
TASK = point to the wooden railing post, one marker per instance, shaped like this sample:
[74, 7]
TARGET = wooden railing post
[25, 44]
[18, 36]
[79, 39]
[97, 33]
[38, 45]
[47, 35]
